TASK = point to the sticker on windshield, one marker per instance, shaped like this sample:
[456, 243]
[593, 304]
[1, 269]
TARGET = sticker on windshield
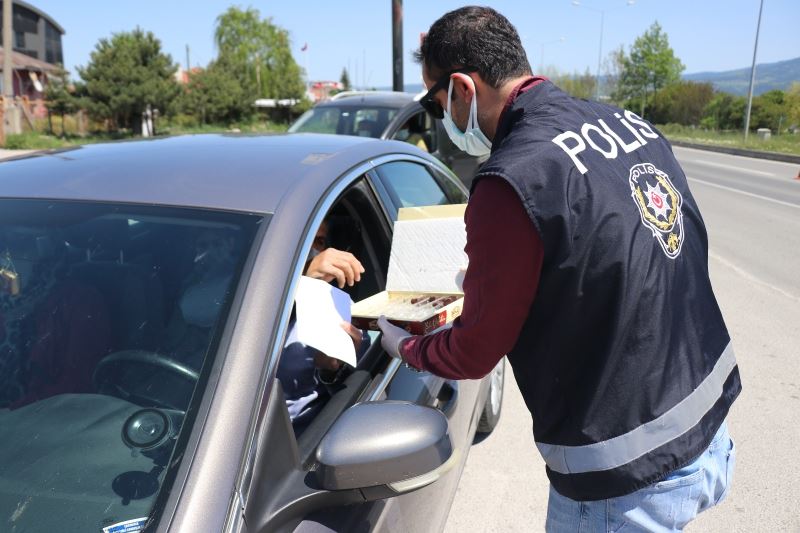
[128, 526]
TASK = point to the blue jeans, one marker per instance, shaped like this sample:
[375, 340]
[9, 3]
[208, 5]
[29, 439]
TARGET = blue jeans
[665, 506]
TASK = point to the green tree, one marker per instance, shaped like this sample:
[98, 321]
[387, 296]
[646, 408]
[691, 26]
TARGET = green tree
[344, 79]
[213, 95]
[724, 112]
[126, 74]
[578, 85]
[683, 102]
[613, 66]
[793, 104]
[59, 97]
[770, 110]
[650, 66]
[257, 53]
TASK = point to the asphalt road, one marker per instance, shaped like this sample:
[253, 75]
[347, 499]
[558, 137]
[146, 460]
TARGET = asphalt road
[752, 213]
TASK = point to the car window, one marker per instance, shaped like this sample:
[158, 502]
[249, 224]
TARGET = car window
[411, 184]
[454, 192]
[369, 121]
[420, 131]
[109, 320]
[318, 120]
[308, 377]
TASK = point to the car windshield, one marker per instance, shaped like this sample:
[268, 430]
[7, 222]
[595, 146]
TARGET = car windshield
[345, 120]
[109, 319]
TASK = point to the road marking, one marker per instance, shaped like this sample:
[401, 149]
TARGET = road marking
[709, 153]
[752, 195]
[750, 277]
[731, 167]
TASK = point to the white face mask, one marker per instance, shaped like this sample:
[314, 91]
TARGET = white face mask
[472, 141]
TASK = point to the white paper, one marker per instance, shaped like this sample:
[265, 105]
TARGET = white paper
[428, 256]
[320, 310]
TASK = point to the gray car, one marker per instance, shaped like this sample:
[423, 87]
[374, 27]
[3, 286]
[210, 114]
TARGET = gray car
[146, 299]
[388, 115]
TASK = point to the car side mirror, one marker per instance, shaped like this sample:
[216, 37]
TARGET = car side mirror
[385, 449]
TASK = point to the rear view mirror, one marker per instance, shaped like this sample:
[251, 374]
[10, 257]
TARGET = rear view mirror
[389, 447]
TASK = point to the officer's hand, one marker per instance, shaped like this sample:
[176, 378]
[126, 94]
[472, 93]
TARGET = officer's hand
[333, 264]
[392, 337]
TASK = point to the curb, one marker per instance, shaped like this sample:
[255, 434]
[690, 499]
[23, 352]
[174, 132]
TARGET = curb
[773, 156]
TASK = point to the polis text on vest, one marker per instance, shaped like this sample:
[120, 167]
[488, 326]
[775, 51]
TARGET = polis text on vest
[604, 139]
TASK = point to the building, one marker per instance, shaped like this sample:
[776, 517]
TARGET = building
[36, 34]
[37, 53]
[321, 90]
[182, 75]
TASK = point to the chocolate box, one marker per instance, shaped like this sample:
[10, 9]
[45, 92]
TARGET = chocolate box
[426, 268]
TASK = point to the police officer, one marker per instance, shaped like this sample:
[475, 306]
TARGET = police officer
[588, 267]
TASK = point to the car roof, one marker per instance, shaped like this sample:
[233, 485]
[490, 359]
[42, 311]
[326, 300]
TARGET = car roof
[251, 173]
[369, 98]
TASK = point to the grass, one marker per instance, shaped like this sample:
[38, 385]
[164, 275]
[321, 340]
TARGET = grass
[40, 140]
[785, 143]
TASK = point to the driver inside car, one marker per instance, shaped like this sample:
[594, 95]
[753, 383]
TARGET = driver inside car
[306, 374]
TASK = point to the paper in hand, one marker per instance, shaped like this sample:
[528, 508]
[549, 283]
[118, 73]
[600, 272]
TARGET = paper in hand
[320, 310]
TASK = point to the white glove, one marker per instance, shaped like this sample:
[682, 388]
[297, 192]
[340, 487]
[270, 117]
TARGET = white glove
[392, 337]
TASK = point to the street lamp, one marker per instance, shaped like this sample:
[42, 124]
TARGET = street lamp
[541, 55]
[577, 3]
[753, 77]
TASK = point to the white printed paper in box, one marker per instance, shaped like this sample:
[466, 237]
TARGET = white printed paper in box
[428, 256]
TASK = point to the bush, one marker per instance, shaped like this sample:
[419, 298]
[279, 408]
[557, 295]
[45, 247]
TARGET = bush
[33, 141]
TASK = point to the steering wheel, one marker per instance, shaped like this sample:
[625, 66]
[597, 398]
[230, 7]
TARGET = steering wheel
[105, 374]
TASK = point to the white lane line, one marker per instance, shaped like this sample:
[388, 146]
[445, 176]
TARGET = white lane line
[731, 189]
[734, 157]
[750, 277]
[731, 167]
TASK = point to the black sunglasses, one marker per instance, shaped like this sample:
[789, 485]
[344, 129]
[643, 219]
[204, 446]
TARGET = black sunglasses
[429, 103]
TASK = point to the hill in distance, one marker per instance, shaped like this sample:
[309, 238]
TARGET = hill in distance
[769, 76]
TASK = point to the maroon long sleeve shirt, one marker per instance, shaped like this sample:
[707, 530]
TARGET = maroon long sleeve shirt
[505, 261]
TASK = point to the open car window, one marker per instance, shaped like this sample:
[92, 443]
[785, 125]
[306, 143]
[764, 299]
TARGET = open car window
[354, 225]
[419, 130]
[109, 322]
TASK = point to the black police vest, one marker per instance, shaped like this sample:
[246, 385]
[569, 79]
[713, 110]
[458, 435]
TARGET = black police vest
[624, 361]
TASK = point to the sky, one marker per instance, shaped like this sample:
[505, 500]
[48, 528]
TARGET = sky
[706, 35]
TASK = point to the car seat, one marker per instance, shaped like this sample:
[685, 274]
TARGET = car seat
[132, 292]
[368, 128]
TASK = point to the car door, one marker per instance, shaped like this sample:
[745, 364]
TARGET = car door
[290, 457]
[405, 183]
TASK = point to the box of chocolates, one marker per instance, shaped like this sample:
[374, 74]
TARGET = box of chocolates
[426, 266]
[419, 314]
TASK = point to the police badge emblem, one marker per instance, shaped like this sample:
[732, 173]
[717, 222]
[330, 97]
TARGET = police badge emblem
[659, 204]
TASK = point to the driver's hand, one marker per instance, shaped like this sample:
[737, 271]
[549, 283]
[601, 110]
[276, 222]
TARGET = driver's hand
[354, 333]
[333, 264]
[323, 362]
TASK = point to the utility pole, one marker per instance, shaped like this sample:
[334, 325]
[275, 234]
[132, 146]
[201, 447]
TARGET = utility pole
[188, 65]
[397, 45]
[577, 3]
[10, 122]
[752, 76]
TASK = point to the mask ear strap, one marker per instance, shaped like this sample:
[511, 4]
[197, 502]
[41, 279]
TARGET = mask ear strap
[473, 111]
[450, 96]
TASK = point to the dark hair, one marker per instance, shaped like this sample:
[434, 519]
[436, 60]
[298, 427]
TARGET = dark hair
[476, 37]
